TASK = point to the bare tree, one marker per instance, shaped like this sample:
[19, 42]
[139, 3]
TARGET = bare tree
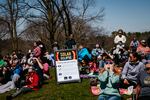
[83, 17]
[12, 12]
[3, 30]
[59, 19]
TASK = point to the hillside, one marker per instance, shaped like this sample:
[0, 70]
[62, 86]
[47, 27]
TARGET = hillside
[52, 91]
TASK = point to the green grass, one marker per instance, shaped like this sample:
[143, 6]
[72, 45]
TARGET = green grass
[52, 91]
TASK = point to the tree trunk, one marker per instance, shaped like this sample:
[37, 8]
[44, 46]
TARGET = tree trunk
[15, 37]
[69, 25]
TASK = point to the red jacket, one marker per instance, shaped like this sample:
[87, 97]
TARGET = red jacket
[33, 81]
[93, 67]
[143, 50]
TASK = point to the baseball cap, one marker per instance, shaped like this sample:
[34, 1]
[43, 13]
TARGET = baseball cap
[143, 41]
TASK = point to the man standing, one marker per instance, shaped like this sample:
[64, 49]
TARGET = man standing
[120, 39]
[70, 43]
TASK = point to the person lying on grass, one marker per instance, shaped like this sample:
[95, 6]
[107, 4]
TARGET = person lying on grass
[32, 83]
[109, 82]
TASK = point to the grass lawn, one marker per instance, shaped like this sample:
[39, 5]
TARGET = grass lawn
[52, 91]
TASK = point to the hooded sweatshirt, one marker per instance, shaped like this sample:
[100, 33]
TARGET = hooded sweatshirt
[131, 71]
[109, 83]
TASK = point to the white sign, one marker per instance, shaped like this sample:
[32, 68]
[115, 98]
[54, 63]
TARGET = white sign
[67, 66]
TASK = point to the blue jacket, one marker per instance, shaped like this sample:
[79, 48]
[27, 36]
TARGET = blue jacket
[18, 70]
[82, 53]
[97, 51]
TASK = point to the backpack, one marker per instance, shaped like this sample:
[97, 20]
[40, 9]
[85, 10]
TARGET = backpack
[135, 43]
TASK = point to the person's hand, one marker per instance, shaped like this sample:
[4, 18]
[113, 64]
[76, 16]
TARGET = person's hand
[107, 66]
[125, 81]
[111, 67]
[35, 58]
[101, 70]
[117, 70]
[25, 86]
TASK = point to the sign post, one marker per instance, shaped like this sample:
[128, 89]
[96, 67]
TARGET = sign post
[67, 66]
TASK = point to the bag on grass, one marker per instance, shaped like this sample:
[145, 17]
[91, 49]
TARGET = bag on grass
[95, 90]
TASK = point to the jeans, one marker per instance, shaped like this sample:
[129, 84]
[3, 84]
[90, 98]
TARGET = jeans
[22, 90]
[15, 77]
[7, 87]
[109, 97]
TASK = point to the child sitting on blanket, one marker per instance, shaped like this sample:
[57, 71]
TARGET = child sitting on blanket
[109, 80]
[84, 68]
[93, 66]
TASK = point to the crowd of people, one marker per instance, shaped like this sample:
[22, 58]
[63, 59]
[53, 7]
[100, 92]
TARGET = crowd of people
[24, 73]
[121, 67]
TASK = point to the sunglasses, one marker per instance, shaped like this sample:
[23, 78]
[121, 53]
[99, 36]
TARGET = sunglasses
[108, 62]
[147, 69]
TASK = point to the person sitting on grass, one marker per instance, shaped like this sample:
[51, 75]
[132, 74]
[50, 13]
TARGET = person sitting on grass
[46, 67]
[109, 83]
[32, 83]
[144, 81]
[84, 68]
[37, 49]
[36, 63]
[144, 50]
[83, 53]
[93, 66]
[97, 51]
[134, 44]
[131, 70]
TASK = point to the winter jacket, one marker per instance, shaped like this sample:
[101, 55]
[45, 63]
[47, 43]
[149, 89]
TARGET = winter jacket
[18, 70]
[33, 81]
[109, 83]
[143, 50]
[97, 51]
[118, 39]
[82, 53]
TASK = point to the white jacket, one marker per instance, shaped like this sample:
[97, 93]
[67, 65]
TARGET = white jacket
[122, 39]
